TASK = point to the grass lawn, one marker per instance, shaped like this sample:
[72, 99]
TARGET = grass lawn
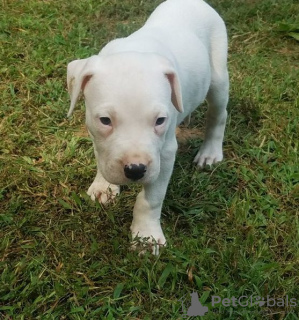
[232, 230]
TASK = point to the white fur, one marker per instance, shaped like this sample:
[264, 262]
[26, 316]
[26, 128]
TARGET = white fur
[165, 69]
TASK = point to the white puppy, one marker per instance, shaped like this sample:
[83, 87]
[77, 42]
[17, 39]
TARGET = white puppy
[138, 89]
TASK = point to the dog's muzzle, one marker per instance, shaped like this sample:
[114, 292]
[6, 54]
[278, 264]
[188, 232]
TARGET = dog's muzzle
[135, 171]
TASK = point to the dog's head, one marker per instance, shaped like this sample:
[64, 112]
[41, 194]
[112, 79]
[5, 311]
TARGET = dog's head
[130, 105]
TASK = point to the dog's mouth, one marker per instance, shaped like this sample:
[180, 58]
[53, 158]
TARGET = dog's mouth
[134, 173]
[141, 180]
[123, 180]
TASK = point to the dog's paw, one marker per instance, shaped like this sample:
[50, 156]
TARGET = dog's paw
[147, 236]
[103, 191]
[208, 155]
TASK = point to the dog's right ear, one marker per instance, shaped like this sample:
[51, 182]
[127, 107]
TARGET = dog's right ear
[79, 73]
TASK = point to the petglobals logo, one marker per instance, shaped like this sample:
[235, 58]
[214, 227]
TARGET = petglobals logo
[196, 308]
[245, 301]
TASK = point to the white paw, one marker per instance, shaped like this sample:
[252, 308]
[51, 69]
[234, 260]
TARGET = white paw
[147, 235]
[104, 191]
[209, 154]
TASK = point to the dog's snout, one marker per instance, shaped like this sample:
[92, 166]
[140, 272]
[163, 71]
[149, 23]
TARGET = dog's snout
[135, 171]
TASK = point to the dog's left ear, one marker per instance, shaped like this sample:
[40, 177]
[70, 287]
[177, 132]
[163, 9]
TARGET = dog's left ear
[176, 93]
[79, 72]
[173, 79]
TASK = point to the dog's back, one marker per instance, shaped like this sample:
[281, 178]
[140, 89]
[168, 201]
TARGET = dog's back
[192, 15]
[172, 20]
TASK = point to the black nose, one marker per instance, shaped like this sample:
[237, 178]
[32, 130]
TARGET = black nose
[135, 171]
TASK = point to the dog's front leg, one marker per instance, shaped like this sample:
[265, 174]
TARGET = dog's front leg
[146, 226]
[101, 189]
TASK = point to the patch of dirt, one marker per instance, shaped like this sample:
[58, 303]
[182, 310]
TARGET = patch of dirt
[184, 134]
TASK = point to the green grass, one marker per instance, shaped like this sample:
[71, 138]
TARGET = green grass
[232, 230]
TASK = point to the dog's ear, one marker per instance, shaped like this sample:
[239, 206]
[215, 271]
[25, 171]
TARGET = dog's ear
[79, 72]
[176, 93]
[173, 79]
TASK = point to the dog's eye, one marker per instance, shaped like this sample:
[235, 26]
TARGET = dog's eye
[160, 121]
[105, 121]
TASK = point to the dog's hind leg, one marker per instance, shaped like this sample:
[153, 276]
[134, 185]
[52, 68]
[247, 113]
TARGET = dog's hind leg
[217, 97]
